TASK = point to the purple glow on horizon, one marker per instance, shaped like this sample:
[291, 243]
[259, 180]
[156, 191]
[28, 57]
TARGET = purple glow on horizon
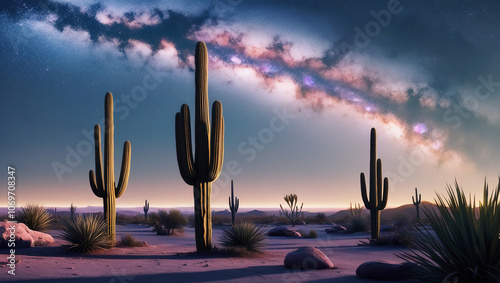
[420, 128]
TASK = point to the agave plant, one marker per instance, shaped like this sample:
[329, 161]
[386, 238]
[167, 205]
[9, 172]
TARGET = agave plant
[465, 247]
[35, 216]
[86, 233]
[243, 235]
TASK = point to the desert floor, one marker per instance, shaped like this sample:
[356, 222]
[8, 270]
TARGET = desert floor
[170, 259]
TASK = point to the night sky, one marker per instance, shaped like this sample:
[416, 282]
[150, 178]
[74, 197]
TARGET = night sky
[301, 84]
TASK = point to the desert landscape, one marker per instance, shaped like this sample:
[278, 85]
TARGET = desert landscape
[250, 141]
[174, 259]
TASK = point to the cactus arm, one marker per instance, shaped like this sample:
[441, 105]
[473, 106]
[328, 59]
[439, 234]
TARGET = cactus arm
[217, 142]
[202, 122]
[383, 202]
[97, 180]
[98, 192]
[184, 145]
[125, 170]
[236, 204]
[379, 180]
[364, 194]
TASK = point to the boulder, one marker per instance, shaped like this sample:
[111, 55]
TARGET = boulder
[284, 232]
[307, 258]
[382, 270]
[336, 229]
[24, 237]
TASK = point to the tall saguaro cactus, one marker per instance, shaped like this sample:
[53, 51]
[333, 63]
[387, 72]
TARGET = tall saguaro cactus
[103, 184]
[207, 163]
[378, 194]
[234, 204]
[146, 209]
[416, 202]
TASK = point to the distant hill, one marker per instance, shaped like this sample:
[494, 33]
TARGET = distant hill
[407, 210]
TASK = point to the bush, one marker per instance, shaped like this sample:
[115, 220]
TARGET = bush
[357, 223]
[244, 235]
[466, 246]
[166, 223]
[35, 216]
[312, 234]
[86, 233]
[129, 241]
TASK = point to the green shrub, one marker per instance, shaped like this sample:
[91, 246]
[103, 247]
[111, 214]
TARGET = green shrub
[35, 216]
[86, 233]
[129, 241]
[167, 223]
[465, 247]
[244, 235]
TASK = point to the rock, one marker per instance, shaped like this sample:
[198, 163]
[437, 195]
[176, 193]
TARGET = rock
[382, 270]
[307, 258]
[24, 237]
[284, 232]
[336, 229]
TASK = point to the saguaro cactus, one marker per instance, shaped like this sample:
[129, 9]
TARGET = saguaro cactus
[416, 202]
[234, 204]
[378, 194]
[103, 185]
[207, 163]
[146, 209]
[72, 210]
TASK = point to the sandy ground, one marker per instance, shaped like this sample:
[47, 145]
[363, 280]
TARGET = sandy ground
[169, 259]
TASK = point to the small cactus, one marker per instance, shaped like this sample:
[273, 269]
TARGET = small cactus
[416, 202]
[378, 194]
[234, 203]
[72, 210]
[146, 209]
[103, 183]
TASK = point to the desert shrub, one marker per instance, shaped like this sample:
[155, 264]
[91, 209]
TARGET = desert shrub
[86, 233]
[311, 234]
[35, 216]
[129, 241]
[295, 215]
[244, 235]
[400, 237]
[167, 223]
[465, 245]
[357, 223]
[402, 221]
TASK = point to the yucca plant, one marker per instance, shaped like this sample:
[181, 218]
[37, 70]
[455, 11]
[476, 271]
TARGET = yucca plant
[357, 222]
[465, 247]
[35, 216]
[244, 235]
[86, 233]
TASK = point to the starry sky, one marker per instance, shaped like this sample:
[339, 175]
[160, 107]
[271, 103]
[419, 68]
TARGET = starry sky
[301, 84]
